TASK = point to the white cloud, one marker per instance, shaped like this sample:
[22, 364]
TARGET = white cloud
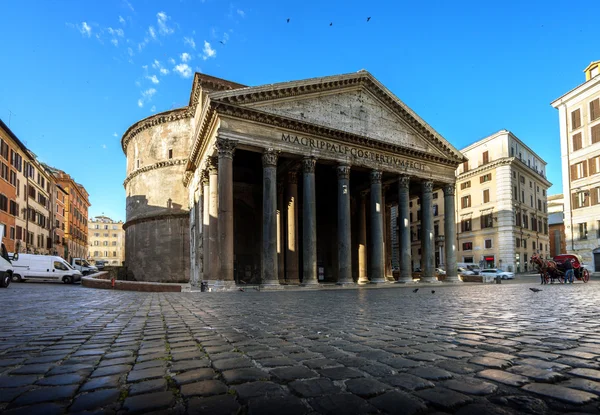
[138, 84]
[189, 41]
[114, 42]
[116, 32]
[130, 51]
[129, 5]
[185, 57]
[164, 71]
[208, 51]
[184, 70]
[241, 12]
[140, 103]
[225, 37]
[121, 20]
[85, 29]
[163, 29]
[153, 109]
[104, 146]
[172, 61]
[115, 135]
[148, 93]
[153, 78]
[158, 66]
[152, 32]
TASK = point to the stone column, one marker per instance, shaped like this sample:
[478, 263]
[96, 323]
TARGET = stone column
[387, 223]
[427, 238]
[404, 230]
[362, 239]
[344, 226]
[225, 183]
[269, 274]
[377, 268]
[450, 234]
[205, 222]
[292, 275]
[213, 220]
[280, 234]
[309, 223]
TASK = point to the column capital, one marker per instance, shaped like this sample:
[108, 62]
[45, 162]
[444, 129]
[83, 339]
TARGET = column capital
[204, 177]
[427, 186]
[404, 181]
[343, 171]
[212, 164]
[449, 189]
[226, 147]
[375, 176]
[293, 176]
[308, 164]
[269, 158]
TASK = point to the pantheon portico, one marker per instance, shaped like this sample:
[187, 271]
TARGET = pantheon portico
[288, 184]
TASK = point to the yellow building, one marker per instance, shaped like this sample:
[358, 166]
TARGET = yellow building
[579, 121]
[106, 241]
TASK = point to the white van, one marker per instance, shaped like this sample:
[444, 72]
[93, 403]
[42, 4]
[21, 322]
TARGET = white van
[6, 269]
[44, 267]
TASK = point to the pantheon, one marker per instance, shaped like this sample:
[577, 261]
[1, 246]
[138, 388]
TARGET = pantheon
[285, 184]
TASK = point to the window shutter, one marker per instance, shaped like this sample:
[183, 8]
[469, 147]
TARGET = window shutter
[584, 163]
[574, 172]
[594, 195]
[574, 201]
[575, 119]
[596, 134]
[594, 109]
[577, 142]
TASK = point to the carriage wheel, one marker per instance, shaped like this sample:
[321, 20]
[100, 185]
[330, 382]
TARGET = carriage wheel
[586, 275]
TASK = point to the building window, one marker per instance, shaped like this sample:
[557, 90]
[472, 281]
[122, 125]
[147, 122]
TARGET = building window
[512, 151]
[435, 210]
[533, 223]
[465, 201]
[598, 229]
[575, 119]
[465, 166]
[579, 170]
[486, 196]
[518, 242]
[517, 219]
[594, 164]
[465, 185]
[580, 199]
[577, 142]
[487, 221]
[516, 193]
[465, 225]
[467, 246]
[533, 246]
[595, 109]
[488, 244]
[595, 134]
[486, 157]
[170, 153]
[595, 195]
[485, 178]
[583, 230]
[525, 221]
[525, 244]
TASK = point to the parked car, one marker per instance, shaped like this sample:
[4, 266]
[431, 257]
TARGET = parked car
[464, 271]
[100, 264]
[494, 272]
[440, 271]
[83, 266]
[6, 268]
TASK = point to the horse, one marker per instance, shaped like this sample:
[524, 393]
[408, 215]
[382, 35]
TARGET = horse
[547, 268]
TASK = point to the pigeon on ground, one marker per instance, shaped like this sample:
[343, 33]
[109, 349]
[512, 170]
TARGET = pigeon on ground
[432, 291]
[242, 290]
[535, 290]
[415, 290]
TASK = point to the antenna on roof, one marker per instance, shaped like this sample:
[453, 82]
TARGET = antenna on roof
[10, 114]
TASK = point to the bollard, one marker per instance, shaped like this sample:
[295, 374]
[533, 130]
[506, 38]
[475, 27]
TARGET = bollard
[203, 286]
[498, 279]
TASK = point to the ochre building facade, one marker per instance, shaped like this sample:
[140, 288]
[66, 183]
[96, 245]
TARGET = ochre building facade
[285, 184]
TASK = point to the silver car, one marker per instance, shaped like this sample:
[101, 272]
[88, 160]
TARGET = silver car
[493, 272]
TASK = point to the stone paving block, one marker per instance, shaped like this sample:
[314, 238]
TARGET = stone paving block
[542, 364]
[314, 387]
[218, 349]
[366, 388]
[408, 382]
[454, 354]
[67, 379]
[194, 376]
[540, 375]
[586, 373]
[572, 396]
[486, 408]
[95, 400]
[204, 388]
[47, 394]
[17, 381]
[305, 356]
[582, 384]
[581, 363]
[214, 405]
[503, 377]
[341, 404]
[63, 369]
[340, 373]
[154, 385]
[110, 370]
[236, 363]
[225, 355]
[277, 361]
[320, 363]
[9, 394]
[152, 356]
[149, 402]
[250, 390]
[191, 355]
[39, 409]
[150, 364]
[458, 366]
[36, 369]
[11, 362]
[276, 405]
[490, 362]
[538, 354]
[431, 373]
[120, 361]
[378, 370]
[443, 398]
[396, 402]
[103, 382]
[470, 386]
[400, 363]
[579, 354]
[290, 373]
[354, 361]
[45, 359]
[189, 365]
[145, 374]
[118, 355]
[264, 354]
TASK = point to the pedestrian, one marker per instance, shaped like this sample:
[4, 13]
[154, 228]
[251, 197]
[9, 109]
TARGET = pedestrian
[568, 266]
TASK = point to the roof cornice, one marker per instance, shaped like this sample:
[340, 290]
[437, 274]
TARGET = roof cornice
[592, 83]
[497, 163]
[153, 120]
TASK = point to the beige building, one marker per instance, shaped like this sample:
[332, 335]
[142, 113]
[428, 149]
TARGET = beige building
[579, 121]
[556, 224]
[37, 187]
[107, 240]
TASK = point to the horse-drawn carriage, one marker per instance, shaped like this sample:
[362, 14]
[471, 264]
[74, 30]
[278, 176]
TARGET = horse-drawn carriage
[554, 269]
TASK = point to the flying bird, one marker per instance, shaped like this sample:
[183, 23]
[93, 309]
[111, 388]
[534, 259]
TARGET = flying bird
[368, 18]
[331, 24]
[288, 20]
[415, 290]
[221, 42]
[535, 290]
[432, 291]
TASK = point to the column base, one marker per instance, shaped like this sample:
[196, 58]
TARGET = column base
[292, 282]
[346, 283]
[405, 280]
[362, 281]
[275, 286]
[311, 283]
[454, 279]
[429, 280]
[221, 285]
[378, 281]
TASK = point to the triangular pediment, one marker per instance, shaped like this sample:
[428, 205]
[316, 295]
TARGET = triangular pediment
[355, 103]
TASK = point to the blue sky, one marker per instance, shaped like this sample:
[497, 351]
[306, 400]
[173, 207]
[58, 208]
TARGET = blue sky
[76, 75]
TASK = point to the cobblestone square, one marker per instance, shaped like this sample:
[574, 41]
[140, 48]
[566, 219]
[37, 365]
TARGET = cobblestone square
[467, 349]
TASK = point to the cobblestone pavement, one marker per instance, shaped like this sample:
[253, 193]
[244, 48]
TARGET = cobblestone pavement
[471, 349]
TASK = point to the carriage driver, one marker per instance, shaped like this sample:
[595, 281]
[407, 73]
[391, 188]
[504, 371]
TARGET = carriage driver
[568, 266]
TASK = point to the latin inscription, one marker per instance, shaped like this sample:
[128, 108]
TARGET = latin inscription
[353, 151]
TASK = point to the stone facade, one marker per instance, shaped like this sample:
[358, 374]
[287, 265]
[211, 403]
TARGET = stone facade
[556, 225]
[107, 241]
[579, 123]
[281, 184]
